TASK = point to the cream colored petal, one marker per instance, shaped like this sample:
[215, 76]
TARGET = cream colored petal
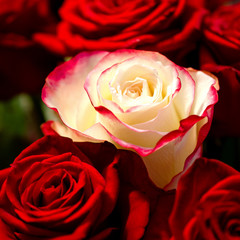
[97, 131]
[174, 182]
[167, 120]
[183, 100]
[185, 146]
[142, 114]
[205, 91]
[64, 90]
[169, 160]
[161, 165]
[127, 134]
[76, 136]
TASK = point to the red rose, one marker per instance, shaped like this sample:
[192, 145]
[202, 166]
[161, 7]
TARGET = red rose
[24, 64]
[53, 191]
[169, 27]
[221, 34]
[221, 56]
[207, 203]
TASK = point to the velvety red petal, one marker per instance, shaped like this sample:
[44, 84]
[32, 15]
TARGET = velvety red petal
[52, 145]
[6, 232]
[135, 209]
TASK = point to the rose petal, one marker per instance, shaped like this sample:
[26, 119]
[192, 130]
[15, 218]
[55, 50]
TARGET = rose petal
[62, 83]
[203, 99]
[137, 220]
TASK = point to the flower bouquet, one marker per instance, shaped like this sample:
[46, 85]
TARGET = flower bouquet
[127, 120]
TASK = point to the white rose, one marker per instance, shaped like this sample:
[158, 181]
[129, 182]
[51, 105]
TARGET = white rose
[137, 100]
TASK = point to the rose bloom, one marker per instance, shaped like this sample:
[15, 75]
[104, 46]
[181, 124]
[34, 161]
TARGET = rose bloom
[24, 63]
[207, 203]
[170, 27]
[220, 54]
[52, 190]
[57, 189]
[137, 100]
